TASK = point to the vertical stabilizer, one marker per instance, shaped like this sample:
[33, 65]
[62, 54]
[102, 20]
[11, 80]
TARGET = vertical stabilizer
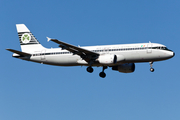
[27, 40]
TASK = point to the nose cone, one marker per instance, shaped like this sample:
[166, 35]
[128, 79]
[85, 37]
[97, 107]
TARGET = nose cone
[169, 54]
[173, 54]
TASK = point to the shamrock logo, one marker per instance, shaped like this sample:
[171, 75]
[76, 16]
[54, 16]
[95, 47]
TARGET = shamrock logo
[26, 38]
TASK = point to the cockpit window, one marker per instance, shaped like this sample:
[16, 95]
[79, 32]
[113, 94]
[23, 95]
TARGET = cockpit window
[161, 48]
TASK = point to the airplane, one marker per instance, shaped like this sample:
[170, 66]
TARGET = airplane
[120, 57]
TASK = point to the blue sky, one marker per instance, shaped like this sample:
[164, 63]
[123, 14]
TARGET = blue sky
[35, 91]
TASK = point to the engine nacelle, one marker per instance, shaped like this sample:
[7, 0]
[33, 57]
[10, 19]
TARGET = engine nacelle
[107, 59]
[125, 68]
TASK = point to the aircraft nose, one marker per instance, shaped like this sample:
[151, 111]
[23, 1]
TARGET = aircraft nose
[173, 54]
[170, 54]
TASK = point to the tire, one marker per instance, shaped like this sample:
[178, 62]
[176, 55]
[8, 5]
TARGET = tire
[102, 74]
[90, 69]
[152, 69]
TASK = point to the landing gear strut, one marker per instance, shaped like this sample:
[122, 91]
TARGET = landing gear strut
[103, 74]
[151, 64]
[90, 69]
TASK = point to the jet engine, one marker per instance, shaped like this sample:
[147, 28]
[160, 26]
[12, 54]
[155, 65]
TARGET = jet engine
[125, 68]
[107, 59]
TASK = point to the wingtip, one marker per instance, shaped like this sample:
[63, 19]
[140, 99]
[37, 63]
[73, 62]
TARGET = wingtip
[48, 39]
[8, 49]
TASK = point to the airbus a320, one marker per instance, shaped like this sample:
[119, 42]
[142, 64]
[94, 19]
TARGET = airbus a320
[120, 57]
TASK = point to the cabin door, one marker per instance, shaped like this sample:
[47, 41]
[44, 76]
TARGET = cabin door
[43, 55]
[149, 47]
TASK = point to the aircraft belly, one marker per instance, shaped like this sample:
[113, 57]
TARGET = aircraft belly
[61, 60]
[65, 59]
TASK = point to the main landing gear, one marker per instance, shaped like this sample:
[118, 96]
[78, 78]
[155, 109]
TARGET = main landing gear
[151, 64]
[101, 74]
[90, 69]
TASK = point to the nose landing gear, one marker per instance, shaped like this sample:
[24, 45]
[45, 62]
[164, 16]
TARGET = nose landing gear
[151, 64]
[152, 69]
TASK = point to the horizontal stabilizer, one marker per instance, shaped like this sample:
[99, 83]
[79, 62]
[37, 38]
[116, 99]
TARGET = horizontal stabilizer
[19, 52]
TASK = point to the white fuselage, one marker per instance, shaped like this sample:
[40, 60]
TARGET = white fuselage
[131, 53]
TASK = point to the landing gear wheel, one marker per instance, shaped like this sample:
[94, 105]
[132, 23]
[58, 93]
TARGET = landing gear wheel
[90, 69]
[152, 69]
[151, 64]
[102, 74]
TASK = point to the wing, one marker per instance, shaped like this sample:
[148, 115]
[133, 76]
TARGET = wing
[85, 54]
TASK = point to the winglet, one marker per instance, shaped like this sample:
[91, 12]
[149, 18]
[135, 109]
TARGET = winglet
[48, 39]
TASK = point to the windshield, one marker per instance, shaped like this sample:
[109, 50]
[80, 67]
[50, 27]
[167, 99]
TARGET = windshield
[161, 48]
